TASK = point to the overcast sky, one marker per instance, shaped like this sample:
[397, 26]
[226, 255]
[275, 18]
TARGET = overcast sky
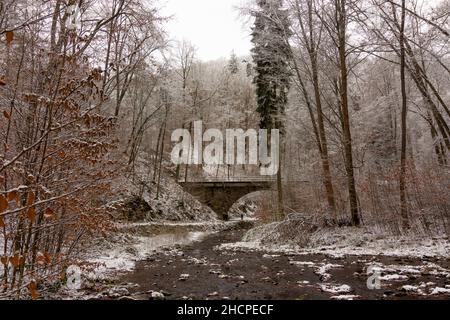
[213, 26]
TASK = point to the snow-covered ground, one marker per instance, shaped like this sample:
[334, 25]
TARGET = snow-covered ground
[123, 257]
[389, 277]
[340, 242]
[134, 198]
[137, 241]
[343, 247]
[120, 252]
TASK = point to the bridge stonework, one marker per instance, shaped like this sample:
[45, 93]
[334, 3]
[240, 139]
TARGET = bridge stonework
[221, 195]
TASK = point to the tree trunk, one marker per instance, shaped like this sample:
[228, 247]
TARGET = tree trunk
[158, 144]
[158, 187]
[402, 182]
[323, 139]
[347, 137]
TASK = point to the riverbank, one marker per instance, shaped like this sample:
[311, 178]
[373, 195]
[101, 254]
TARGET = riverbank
[206, 269]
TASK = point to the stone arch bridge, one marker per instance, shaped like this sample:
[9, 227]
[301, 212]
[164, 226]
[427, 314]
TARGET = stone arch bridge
[221, 193]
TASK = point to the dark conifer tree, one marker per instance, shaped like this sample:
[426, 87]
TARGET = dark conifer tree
[271, 55]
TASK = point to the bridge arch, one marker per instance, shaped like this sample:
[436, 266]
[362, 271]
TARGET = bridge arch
[221, 195]
[250, 197]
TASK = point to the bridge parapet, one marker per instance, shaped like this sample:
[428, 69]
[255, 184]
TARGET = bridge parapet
[230, 179]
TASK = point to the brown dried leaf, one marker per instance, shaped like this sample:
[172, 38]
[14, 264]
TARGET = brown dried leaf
[30, 198]
[31, 214]
[32, 287]
[41, 259]
[48, 257]
[15, 260]
[14, 196]
[6, 114]
[9, 37]
[2, 222]
[3, 203]
[49, 214]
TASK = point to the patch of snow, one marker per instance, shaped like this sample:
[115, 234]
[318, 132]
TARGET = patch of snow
[230, 262]
[424, 285]
[363, 241]
[404, 272]
[157, 295]
[394, 277]
[184, 277]
[335, 289]
[212, 271]
[322, 271]
[258, 247]
[410, 288]
[345, 297]
[213, 294]
[341, 242]
[439, 290]
[122, 255]
[271, 256]
[302, 263]
[206, 224]
[193, 260]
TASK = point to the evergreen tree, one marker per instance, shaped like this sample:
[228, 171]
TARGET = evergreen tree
[233, 64]
[271, 55]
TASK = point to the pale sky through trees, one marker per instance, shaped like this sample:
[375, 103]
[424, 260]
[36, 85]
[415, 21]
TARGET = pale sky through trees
[213, 26]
